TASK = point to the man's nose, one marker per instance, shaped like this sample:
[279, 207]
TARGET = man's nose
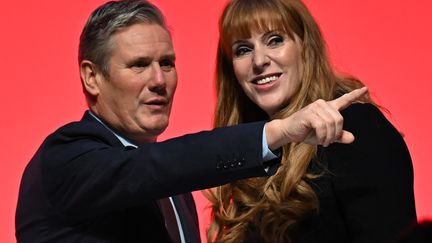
[158, 81]
[260, 59]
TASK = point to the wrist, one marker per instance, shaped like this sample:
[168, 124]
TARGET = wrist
[274, 134]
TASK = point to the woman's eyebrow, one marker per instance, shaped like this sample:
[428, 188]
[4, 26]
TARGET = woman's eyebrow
[239, 42]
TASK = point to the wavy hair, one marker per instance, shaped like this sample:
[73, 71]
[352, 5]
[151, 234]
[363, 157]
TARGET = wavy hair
[276, 204]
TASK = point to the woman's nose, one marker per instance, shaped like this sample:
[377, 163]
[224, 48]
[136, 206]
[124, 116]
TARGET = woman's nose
[260, 59]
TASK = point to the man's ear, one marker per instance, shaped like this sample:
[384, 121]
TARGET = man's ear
[90, 76]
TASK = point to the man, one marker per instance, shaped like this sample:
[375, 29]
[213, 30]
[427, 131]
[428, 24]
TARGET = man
[106, 179]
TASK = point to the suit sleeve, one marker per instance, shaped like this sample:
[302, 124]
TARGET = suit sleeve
[84, 175]
[373, 177]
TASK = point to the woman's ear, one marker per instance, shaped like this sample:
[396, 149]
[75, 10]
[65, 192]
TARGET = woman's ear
[90, 76]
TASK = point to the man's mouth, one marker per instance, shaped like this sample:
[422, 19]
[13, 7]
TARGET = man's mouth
[157, 103]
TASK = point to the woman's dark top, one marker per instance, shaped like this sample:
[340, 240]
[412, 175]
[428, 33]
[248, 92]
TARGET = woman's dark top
[366, 192]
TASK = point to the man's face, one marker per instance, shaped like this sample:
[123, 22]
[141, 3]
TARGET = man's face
[136, 97]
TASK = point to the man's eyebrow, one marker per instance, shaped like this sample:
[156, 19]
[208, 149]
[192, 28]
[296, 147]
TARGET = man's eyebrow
[138, 59]
[146, 59]
[171, 57]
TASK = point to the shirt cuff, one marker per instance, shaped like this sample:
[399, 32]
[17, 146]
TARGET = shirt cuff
[267, 154]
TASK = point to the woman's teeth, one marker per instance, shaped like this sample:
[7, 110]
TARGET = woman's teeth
[266, 80]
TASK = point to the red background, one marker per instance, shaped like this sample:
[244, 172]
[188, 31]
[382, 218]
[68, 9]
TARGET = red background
[385, 43]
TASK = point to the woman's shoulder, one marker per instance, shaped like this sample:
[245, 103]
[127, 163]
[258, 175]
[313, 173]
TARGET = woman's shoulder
[376, 139]
[361, 111]
[366, 118]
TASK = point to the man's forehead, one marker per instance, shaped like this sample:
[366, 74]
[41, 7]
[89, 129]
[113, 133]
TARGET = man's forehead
[143, 37]
[143, 32]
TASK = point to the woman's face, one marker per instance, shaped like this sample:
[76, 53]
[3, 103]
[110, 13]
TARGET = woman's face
[268, 67]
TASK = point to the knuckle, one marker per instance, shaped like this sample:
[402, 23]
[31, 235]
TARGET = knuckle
[320, 102]
[340, 122]
[320, 124]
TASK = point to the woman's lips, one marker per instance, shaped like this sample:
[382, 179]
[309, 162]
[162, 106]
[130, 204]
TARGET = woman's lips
[265, 82]
[265, 79]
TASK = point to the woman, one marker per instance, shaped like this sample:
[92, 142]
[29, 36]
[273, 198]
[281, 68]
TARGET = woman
[271, 63]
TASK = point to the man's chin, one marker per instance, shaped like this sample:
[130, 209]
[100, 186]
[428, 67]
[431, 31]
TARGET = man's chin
[152, 126]
[148, 134]
[157, 131]
[156, 128]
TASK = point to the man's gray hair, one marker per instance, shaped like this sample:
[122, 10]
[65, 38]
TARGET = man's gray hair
[95, 41]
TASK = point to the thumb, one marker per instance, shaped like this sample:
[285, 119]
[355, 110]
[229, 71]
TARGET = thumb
[346, 138]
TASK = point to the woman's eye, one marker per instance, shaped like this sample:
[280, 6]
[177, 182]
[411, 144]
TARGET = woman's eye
[241, 51]
[275, 40]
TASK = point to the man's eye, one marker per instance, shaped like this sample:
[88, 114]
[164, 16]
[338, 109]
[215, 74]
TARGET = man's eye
[140, 64]
[275, 40]
[241, 51]
[167, 64]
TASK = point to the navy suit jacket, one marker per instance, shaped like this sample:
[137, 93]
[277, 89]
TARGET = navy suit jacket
[83, 185]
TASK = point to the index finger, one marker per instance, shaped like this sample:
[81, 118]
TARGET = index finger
[347, 99]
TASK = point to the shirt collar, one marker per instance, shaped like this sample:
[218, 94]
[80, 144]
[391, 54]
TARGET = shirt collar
[123, 140]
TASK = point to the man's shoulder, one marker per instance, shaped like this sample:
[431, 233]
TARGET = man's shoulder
[87, 122]
[87, 127]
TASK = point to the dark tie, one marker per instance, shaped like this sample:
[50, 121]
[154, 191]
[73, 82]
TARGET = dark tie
[170, 219]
